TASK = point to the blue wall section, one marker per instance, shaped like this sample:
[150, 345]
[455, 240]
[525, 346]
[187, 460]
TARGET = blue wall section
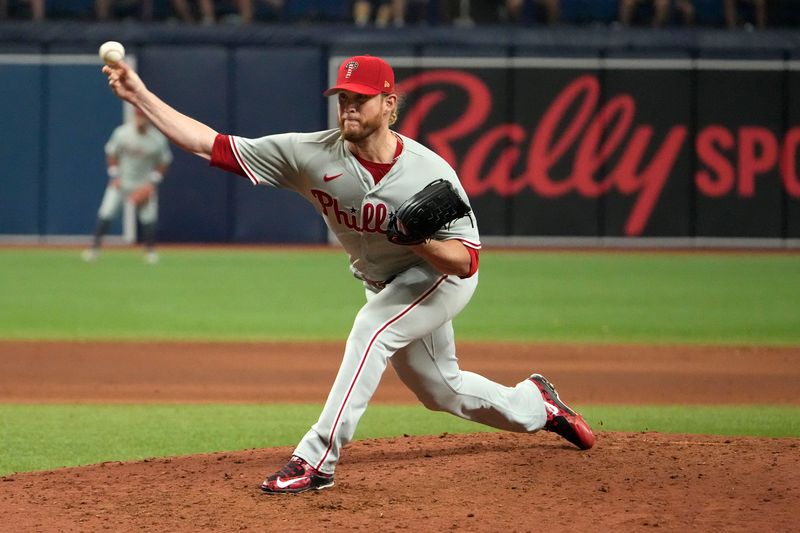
[194, 198]
[81, 115]
[56, 119]
[277, 90]
[21, 112]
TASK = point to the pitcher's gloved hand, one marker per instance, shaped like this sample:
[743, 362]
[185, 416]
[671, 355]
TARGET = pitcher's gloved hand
[425, 213]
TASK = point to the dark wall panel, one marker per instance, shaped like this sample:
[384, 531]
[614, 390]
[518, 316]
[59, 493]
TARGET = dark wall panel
[649, 176]
[790, 170]
[553, 106]
[20, 149]
[263, 106]
[194, 198]
[740, 119]
[468, 101]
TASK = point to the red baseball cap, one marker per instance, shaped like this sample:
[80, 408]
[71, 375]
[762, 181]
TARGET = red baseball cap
[364, 75]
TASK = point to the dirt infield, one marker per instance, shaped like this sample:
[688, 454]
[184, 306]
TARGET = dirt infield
[481, 482]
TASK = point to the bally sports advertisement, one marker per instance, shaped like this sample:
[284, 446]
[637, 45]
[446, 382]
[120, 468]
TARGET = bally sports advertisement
[615, 147]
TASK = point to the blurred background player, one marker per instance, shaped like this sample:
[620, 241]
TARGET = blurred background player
[137, 155]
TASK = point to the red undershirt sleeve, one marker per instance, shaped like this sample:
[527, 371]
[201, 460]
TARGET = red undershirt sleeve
[222, 156]
[473, 261]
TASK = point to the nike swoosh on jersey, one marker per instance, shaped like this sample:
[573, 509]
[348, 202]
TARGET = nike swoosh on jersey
[327, 178]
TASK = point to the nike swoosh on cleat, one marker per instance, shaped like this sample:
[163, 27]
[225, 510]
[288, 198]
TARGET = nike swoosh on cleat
[282, 484]
[327, 178]
[552, 408]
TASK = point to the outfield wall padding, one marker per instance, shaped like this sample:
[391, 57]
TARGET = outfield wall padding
[627, 134]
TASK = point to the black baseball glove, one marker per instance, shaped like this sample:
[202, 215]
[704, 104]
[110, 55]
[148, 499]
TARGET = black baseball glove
[425, 213]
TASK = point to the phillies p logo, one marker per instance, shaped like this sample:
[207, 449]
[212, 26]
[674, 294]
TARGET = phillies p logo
[351, 66]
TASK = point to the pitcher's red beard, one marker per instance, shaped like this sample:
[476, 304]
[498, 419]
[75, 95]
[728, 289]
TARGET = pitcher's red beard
[356, 130]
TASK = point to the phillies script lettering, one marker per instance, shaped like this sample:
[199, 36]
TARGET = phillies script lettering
[601, 138]
[370, 218]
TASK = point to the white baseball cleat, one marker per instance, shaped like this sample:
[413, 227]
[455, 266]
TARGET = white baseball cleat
[151, 258]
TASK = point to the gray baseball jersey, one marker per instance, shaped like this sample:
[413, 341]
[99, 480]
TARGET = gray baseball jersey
[319, 167]
[137, 154]
[410, 305]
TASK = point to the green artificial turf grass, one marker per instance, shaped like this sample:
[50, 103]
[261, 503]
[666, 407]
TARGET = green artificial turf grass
[208, 295]
[732, 420]
[46, 436]
[36, 437]
[640, 298]
[608, 297]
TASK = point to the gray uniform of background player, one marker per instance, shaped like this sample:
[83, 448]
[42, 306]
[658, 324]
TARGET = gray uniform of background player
[137, 155]
[406, 321]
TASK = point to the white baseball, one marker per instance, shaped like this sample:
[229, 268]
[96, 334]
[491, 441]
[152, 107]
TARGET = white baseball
[111, 52]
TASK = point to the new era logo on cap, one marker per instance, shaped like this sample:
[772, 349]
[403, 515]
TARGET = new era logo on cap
[364, 75]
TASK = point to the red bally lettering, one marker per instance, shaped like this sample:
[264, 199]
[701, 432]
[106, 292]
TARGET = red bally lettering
[593, 152]
[758, 152]
[710, 141]
[595, 135]
[479, 101]
[612, 123]
[499, 176]
[791, 142]
[652, 179]
[545, 152]
[598, 136]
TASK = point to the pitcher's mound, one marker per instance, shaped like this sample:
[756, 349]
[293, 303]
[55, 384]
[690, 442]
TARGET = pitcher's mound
[478, 482]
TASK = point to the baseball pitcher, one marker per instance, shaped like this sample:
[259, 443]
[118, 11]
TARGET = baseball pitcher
[404, 220]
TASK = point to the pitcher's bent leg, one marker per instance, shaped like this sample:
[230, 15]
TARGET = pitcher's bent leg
[429, 367]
